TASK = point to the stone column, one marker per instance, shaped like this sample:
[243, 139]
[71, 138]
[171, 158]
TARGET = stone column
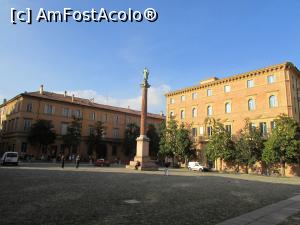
[142, 142]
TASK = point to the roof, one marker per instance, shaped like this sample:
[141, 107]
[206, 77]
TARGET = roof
[236, 77]
[80, 101]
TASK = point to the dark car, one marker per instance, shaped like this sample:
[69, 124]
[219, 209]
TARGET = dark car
[102, 162]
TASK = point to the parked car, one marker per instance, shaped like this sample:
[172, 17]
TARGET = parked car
[10, 158]
[197, 167]
[102, 162]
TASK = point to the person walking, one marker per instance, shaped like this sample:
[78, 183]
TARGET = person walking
[62, 161]
[167, 164]
[77, 161]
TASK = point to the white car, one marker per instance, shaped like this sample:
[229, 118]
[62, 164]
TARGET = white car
[196, 166]
[10, 158]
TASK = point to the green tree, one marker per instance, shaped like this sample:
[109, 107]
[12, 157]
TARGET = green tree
[72, 138]
[95, 141]
[168, 139]
[184, 149]
[249, 146]
[132, 131]
[41, 134]
[153, 135]
[220, 144]
[282, 145]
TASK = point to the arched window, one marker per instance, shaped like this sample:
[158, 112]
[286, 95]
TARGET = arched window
[194, 112]
[251, 104]
[272, 101]
[209, 110]
[227, 107]
[182, 114]
[171, 114]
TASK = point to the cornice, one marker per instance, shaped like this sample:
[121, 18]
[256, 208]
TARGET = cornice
[250, 74]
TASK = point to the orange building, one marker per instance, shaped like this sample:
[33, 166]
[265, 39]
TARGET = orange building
[19, 113]
[259, 95]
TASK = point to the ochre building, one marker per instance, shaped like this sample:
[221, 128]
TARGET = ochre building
[259, 95]
[19, 113]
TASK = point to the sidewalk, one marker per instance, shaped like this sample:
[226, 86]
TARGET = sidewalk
[268, 215]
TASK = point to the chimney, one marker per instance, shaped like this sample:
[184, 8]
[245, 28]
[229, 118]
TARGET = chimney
[42, 89]
[65, 94]
[4, 100]
[72, 97]
[161, 113]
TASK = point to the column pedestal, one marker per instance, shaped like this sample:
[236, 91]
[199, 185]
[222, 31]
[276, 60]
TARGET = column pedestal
[142, 155]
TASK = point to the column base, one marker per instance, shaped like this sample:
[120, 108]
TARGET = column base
[145, 164]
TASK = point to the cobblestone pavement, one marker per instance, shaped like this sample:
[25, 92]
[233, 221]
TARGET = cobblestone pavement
[46, 194]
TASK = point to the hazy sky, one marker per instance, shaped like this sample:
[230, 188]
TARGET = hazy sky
[192, 40]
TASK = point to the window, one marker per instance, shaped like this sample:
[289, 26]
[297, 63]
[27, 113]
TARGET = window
[272, 101]
[252, 126]
[91, 130]
[116, 133]
[104, 118]
[228, 128]
[172, 100]
[27, 124]
[194, 112]
[271, 79]
[227, 88]
[182, 98]
[209, 131]
[65, 112]
[24, 147]
[273, 125]
[76, 113]
[64, 128]
[209, 110]
[209, 92]
[250, 83]
[49, 109]
[93, 116]
[116, 119]
[263, 128]
[29, 107]
[194, 95]
[227, 107]
[194, 132]
[182, 114]
[201, 131]
[171, 114]
[251, 104]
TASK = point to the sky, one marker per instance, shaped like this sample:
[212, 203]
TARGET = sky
[191, 41]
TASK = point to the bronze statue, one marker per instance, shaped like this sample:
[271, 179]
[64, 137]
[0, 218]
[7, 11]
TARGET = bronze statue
[146, 74]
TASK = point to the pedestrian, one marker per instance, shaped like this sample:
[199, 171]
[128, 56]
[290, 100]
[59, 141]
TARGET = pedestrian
[62, 161]
[77, 161]
[167, 164]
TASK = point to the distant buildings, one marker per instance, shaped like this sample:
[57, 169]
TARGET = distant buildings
[259, 95]
[19, 113]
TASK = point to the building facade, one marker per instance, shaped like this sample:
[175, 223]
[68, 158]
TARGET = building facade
[19, 113]
[259, 95]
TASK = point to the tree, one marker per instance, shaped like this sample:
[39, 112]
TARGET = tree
[282, 145]
[184, 149]
[41, 134]
[175, 141]
[168, 136]
[249, 146]
[72, 138]
[95, 141]
[132, 131]
[153, 135]
[220, 144]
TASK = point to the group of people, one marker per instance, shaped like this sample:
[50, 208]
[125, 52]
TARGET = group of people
[77, 160]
